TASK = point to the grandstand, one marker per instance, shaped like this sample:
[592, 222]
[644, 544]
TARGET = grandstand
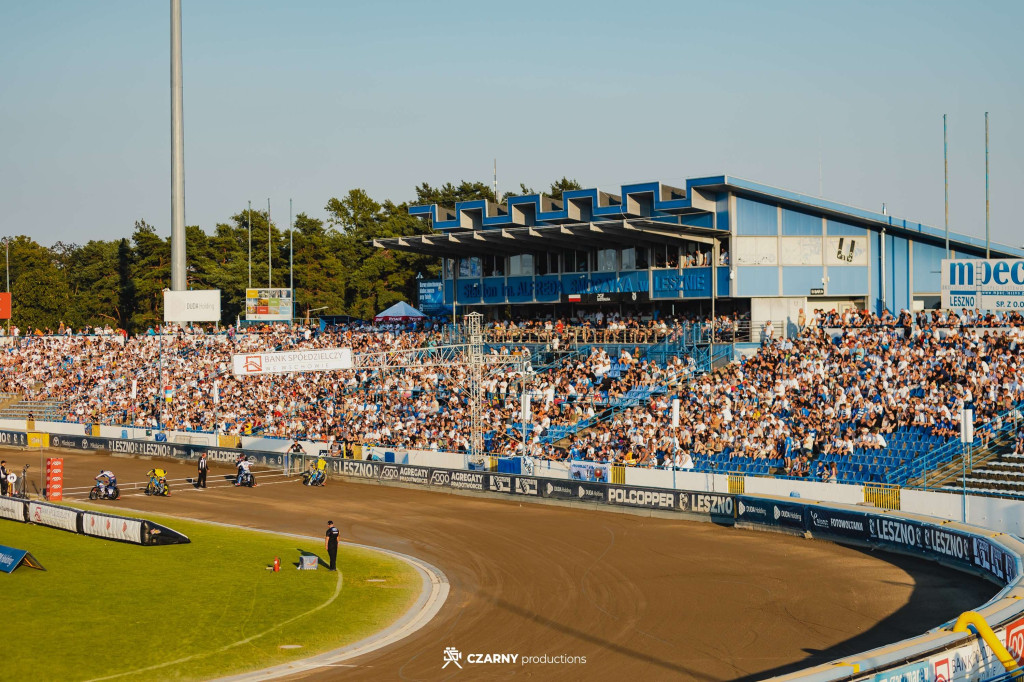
[852, 399]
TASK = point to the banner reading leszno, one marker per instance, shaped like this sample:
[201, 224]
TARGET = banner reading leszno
[318, 360]
[995, 284]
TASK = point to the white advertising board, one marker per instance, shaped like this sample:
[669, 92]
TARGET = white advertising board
[12, 509]
[50, 515]
[312, 360]
[996, 284]
[192, 306]
[113, 528]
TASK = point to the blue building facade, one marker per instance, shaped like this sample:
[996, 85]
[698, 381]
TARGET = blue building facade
[718, 239]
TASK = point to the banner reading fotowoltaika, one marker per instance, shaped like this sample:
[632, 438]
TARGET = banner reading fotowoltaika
[313, 360]
[192, 306]
[996, 284]
[268, 305]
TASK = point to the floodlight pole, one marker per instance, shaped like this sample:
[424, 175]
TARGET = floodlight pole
[7, 249]
[945, 164]
[178, 281]
[270, 255]
[249, 219]
[987, 242]
[291, 251]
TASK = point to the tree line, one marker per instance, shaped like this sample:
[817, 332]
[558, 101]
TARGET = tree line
[120, 282]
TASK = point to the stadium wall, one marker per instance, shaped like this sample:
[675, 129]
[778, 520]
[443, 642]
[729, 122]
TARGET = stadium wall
[994, 513]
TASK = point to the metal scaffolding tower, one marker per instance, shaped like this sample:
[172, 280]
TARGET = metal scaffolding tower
[469, 355]
[475, 356]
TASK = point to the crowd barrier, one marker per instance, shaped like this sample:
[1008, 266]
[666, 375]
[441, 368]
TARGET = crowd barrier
[147, 448]
[95, 524]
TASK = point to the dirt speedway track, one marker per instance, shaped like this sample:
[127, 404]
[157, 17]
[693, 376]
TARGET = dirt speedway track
[640, 598]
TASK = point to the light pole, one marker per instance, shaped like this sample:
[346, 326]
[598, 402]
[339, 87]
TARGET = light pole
[7, 249]
[314, 310]
[249, 221]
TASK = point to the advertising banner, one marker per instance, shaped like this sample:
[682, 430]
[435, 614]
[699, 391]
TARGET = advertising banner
[431, 298]
[54, 516]
[13, 510]
[15, 438]
[770, 512]
[834, 522]
[911, 672]
[590, 471]
[468, 480]
[268, 305]
[112, 527]
[920, 537]
[11, 558]
[526, 486]
[499, 483]
[647, 498]
[558, 490]
[5, 306]
[590, 492]
[993, 559]
[54, 479]
[417, 475]
[714, 505]
[192, 306]
[995, 284]
[311, 360]
[359, 469]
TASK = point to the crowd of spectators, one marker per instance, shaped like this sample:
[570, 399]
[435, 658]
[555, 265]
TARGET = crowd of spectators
[844, 384]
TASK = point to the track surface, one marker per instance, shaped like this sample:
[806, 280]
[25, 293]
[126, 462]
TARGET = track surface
[638, 597]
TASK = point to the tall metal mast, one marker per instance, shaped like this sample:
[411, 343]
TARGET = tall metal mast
[178, 279]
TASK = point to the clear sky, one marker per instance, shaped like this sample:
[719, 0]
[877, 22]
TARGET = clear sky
[307, 99]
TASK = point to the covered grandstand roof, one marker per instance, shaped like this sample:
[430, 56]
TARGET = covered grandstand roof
[647, 213]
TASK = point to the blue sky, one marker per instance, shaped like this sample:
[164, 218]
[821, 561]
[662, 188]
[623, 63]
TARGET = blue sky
[308, 99]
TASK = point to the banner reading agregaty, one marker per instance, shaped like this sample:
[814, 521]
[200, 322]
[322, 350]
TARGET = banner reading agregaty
[313, 360]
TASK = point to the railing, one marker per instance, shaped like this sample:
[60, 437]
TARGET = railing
[947, 453]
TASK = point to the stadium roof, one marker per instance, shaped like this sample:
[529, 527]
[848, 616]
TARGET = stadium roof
[646, 213]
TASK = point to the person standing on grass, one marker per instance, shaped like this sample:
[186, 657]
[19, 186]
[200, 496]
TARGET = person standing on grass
[3, 477]
[203, 466]
[331, 543]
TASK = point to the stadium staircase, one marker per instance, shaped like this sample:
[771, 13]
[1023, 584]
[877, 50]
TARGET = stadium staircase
[43, 410]
[990, 468]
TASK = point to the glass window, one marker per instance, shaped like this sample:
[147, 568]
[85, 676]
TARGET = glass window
[449, 267]
[582, 260]
[521, 265]
[642, 261]
[569, 258]
[469, 267]
[494, 266]
[629, 259]
[607, 260]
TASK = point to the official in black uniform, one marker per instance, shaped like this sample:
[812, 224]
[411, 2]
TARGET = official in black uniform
[201, 483]
[3, 477]
[331, 542]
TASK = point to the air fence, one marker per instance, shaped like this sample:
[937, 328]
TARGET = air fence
[970, 649]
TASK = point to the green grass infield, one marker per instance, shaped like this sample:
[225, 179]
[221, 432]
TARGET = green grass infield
[108, 610]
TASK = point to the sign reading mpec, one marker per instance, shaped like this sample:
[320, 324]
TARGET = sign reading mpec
[996, 284]
[313, 360]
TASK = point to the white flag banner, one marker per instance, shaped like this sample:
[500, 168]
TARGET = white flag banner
[312, 360]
